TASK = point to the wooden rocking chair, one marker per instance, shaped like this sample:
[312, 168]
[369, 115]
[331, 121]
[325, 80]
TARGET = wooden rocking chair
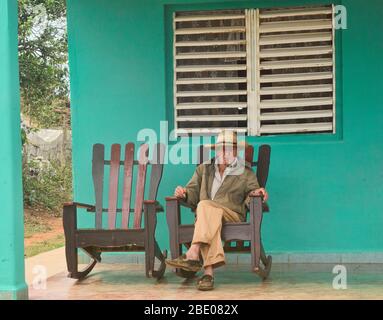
[232, 233]
[97, 240]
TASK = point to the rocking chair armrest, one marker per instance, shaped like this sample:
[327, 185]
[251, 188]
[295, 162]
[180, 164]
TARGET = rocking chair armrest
[89, 207]
[182, 202]
[258, 196]
[172, 198]
[265, 206]
[158, 206]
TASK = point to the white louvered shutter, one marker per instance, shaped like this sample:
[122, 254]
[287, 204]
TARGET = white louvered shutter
[210, 80]
[296, 70]
[267, 71]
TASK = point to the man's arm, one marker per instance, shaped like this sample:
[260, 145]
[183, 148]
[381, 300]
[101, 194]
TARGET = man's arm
[193, 187]
[253, 188]
[252, 182]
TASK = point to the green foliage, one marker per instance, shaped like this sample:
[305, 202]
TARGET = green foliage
[43, 60]
[47, 185]
[44, 246]
[23, 137]
[33, 225]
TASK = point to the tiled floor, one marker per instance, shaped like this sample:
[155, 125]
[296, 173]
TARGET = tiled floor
[287, 281]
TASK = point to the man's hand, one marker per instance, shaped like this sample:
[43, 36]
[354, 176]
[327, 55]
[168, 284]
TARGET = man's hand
[260, 192]
[180, 192]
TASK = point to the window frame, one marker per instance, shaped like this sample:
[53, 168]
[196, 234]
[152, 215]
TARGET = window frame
[169, 10]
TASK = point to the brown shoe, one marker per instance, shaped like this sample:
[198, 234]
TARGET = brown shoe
[183, 263]
[205, 283]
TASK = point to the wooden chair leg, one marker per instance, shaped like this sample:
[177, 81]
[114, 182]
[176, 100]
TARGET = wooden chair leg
[173, 221]
[71, 251]
[257, 251]
[152, 249]
[71, 260]
[255, 222]
[70, 226]
[150, 222]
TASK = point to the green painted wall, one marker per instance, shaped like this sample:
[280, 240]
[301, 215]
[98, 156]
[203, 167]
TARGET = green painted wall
[326, 191]
[12, 282]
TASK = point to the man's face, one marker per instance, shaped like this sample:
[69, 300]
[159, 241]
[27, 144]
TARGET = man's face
[226, 154]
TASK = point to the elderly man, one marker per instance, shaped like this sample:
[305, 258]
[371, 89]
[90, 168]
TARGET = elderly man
[220, 190]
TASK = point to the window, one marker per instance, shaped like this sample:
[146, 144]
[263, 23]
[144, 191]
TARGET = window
[259, 71]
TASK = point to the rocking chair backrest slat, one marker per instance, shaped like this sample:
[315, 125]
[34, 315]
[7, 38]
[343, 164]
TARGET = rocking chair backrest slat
[249, 154]
[157, 168]
[140, 187]
[98, 180]
[263, 164]
[113, 184]
[98, 163]
[127, 189]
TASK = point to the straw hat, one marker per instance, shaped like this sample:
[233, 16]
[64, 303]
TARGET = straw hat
[227, 138]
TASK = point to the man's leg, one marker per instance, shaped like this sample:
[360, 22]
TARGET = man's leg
[193, 252]
[207, 237]
[207, 234]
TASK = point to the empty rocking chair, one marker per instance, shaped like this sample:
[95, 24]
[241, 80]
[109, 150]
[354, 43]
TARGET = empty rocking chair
[107, 237]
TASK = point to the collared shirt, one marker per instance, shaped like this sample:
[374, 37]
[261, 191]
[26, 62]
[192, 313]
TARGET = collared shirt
[233, 191]
[235, 168]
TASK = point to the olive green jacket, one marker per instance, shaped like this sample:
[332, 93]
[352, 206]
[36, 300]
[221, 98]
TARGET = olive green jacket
[232, 194]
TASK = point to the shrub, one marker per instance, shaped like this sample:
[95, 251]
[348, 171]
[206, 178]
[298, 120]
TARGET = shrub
[47, 184]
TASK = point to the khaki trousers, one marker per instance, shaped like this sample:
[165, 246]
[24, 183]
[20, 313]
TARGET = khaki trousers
[207, 230]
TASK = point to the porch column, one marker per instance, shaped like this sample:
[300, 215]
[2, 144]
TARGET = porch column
[12, 278]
